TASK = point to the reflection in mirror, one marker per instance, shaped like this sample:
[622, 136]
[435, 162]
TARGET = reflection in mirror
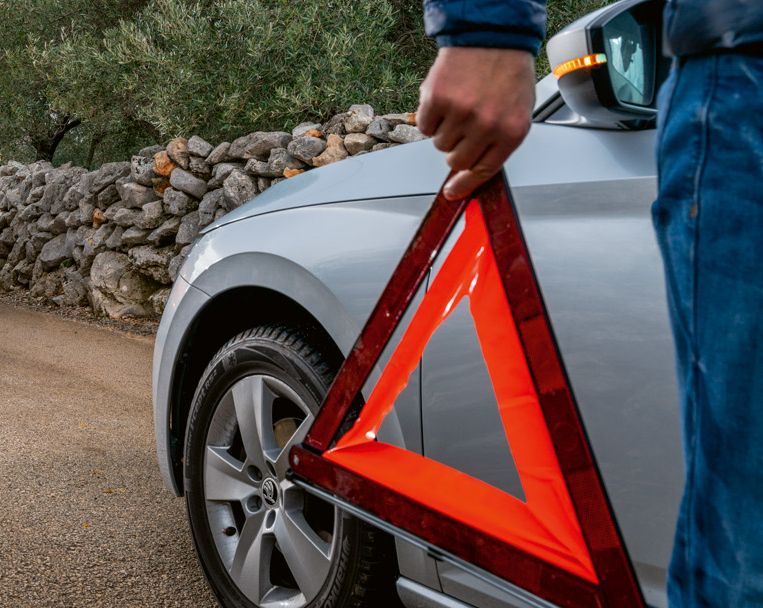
[631, 52]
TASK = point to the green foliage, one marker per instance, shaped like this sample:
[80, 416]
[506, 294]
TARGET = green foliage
[134, 72]
[221, 68]
[31, 32]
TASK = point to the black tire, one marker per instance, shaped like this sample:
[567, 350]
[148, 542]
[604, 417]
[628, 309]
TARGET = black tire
[362, 571]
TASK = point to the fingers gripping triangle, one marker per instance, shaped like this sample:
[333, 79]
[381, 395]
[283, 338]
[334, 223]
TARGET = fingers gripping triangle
[562, 543]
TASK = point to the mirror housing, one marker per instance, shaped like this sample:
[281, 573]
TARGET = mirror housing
[609, 64]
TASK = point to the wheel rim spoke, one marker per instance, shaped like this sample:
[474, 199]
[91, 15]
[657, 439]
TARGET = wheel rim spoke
[306, 554]
[253, 402]
[251, 561]
[224, 476]
[280, 463]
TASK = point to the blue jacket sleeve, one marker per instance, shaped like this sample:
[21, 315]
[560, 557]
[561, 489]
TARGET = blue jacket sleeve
[513, 24]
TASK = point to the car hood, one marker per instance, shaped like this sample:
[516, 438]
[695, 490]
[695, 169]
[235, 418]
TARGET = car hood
[412, 169]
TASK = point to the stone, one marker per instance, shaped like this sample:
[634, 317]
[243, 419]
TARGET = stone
[237, 189]
[158, 300]
[405, 134]
[305, 148]
[383, 146]
[115, 240]
[49, 285]
[406, 118]
[82, 259]
[263, 183]
[335, 125]
[177, 150]
[160, 186]
[152, 262]
[208, 205]
[54, 252]
[72, 198]
[287, 173]
[133, 236]
[150, 151]
[152, 215]
[110, 213]
[173, 269]
[29, 213]
[44, 222]
[358, 142]
[135, 195]
[120, 185]
[142, 170]
[280, 160]
[219, 154]
[96, 241]
[358, 118]
[75, 288]
[335, 151]
[188, 183]
[57, 184]
[107, 175]
[199, 147]
[165, 233]
[105, 305]
[107, 197]
[98, 218]
[177, 202]
[259, 168]
[379, 128]
[86, 211]
[200, 168]
[35, 196]
[304, 127]
[163, 164]
[222, 171]
[259, 144]
[71, 219]
[127, 217]
[189, 229]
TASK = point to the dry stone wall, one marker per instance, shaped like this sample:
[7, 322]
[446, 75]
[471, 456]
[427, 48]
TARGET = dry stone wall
[114, 238]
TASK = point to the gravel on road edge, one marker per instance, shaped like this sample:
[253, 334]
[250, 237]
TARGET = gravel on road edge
[22, 299]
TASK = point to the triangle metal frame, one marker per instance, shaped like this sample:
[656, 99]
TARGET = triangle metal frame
[605, 576]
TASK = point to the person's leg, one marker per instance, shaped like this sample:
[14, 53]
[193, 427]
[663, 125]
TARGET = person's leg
[709, 221]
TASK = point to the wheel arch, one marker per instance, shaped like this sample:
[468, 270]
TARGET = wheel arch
[224, 316]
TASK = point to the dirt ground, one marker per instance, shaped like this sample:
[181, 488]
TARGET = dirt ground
[84, 517]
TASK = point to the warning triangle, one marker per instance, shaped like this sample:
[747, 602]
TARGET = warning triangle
[545, 525]
[561, 543]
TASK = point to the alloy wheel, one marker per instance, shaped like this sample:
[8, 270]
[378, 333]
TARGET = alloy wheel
[275, 541]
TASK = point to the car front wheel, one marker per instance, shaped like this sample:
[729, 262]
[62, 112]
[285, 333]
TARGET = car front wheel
[261, 540]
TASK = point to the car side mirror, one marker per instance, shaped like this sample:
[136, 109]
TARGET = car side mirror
[609, 64]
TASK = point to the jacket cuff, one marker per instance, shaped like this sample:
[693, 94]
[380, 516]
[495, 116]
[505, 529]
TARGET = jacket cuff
[492, 39]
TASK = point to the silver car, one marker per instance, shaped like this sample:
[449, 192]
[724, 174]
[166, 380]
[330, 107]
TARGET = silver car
[273, 295]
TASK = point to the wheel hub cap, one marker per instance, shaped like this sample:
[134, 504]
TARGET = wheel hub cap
[270, 492]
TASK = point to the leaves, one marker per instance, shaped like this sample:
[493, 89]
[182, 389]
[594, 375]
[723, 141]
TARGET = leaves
[135, 73]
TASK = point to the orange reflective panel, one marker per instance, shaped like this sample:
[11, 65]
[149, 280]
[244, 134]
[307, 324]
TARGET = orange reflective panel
[546, 525]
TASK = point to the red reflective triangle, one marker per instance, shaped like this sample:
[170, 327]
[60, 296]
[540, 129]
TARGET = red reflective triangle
[562, 544]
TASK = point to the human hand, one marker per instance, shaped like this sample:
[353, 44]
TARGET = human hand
[476, 104]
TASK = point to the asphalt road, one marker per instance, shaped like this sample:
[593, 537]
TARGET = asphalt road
[84, 518]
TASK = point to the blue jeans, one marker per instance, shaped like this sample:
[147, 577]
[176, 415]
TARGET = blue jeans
[709, 223]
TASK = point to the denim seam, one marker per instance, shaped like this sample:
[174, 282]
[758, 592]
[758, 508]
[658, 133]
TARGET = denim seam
[695, 406]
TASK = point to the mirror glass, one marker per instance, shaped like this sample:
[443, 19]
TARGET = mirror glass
[631, 51]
